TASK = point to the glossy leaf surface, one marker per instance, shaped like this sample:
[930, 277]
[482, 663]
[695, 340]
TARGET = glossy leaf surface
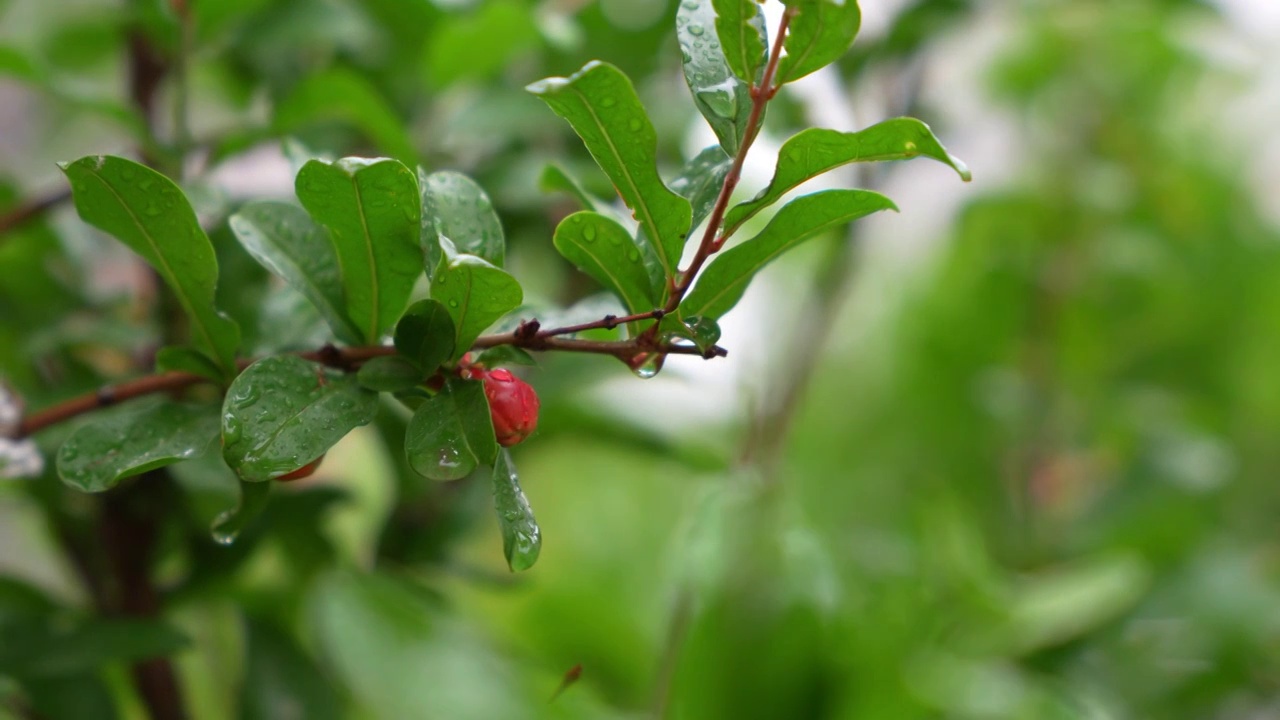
[722, 97]
[451, 433]
[283, 412]
[724, 281]
[122, 444]
[455, 207]
[521, 536]
[148, 212]
[603, 249]
[475, 293]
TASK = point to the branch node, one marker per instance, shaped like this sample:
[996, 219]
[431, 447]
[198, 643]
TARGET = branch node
[659, 314]
[106, 396]
[610, 321]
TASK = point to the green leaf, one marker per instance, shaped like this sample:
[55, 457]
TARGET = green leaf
[556, 179]
[815, 151]
[345, 96]
[455, 207]
[283, 412]
[820, 33]
[601, 105]
[480, 44]
[230, 523]
[604, 250]
[372, 210]
[176, 358]
[452, 432]
[740, 26]
[284, 240]
[700, 181]
[703, 332]
[146, 211]
[722, 97]
[426, 334]
[124, 444]
[724, 281]
[282, 680]
[504, 355]
[392, 373]
[52, 647]
[521, 537]
[474, 292]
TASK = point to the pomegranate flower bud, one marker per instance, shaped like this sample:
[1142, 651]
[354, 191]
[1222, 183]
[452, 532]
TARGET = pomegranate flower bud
[513, 405]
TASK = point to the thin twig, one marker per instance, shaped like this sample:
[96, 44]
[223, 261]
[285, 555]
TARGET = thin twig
[31, 210]
[345, 359]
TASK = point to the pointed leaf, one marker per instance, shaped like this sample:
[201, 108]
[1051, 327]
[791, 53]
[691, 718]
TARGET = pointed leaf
[148, 212]
[601, 105]
[815, 151]
[426, 334]
[455, 207]
[474, 292]
[700, 181]
[128, 443]
[284, 240]
[372, 210]
[821, 33]
[283, 412]
[229, 524]
[177, 358]
[392, 373]
[452, 432]
[604, 250]
[722, 97]
[740, 26]
[724, 281]
[521, 537]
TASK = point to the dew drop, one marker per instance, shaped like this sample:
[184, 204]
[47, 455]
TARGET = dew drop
[608, 102]
[635, 124]
[646, 365]
[453, 303]
[232, 430]
[589, 234]
[696, 30]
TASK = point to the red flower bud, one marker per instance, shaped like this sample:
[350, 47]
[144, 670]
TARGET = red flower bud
[513, 405]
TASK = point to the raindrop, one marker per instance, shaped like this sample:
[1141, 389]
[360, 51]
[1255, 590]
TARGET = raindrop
[633, 255]
[232, 430]
[608, 102]
[589, 234]
[453, 303]
[696, 30]
[635, 124]
[646, 365]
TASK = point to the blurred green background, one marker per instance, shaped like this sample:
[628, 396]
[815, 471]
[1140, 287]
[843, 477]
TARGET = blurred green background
[1008, 454]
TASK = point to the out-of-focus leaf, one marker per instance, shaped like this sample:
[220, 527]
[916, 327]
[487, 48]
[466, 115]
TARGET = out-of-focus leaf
[426, 334]
[148, 212]
[820, 33]
[389, 374]
[474, 292]
[228, 526]
[724, 281]
[178, 358]
[342, 95]
[283, 412]
[107, 450]
[48, 648]
[722, 97]
[604, 250]
[284, 240]
[700, 181]
[601, 105]
[281, 680]
[556, 179]
[455, 207]
[372, 210]
[81, 696]
[740, 26]
[478, 45]
[1053, 608]
[815, 151]
[521, 537]
[451, 432]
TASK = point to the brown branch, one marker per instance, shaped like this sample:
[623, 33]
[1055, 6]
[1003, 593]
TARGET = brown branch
[32, 209]
[351, 358]
[711, 240]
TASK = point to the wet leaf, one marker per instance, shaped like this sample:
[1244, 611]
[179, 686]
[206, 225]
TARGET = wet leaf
[815, 151]
[426, 334]
[700, 180]
[740, 26]
[601, 105]
[228, 526]
[722, 97]
[475, 294]
[604, 250]
[724, 281]
[455, 207]
[283, 412]
[392, 373]
[133, 440]
[372, 210]
[284, 240]
[149, 213]
[521, 537]
[820, 33]
[452, 432]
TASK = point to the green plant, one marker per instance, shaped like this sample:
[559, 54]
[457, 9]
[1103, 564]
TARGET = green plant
[405, 266]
